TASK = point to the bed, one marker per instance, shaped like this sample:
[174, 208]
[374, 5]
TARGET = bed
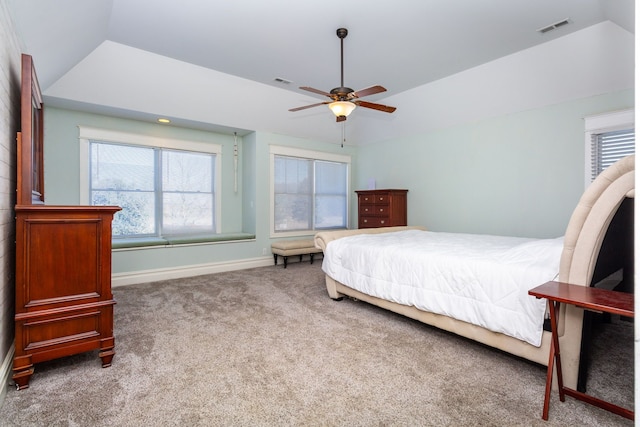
[572, 259]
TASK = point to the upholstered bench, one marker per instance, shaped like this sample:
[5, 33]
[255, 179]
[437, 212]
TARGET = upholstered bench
[287, 248]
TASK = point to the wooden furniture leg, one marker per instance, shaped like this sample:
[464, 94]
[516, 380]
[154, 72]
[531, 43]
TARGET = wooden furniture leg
[554, 356]
[22, 374]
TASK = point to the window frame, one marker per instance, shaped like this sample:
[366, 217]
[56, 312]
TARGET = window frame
[88, 134]
[277, 150]
[602, 123]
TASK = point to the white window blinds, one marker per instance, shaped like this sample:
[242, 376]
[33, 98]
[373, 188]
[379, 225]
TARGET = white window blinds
[309, 194]
[609, 147]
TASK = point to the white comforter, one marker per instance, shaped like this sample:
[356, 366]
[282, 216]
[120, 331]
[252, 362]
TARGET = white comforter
[479, 279]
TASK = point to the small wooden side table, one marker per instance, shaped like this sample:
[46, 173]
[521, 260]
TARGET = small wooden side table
[589, 298]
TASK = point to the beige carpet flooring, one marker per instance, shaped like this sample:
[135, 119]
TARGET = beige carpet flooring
[268, 347]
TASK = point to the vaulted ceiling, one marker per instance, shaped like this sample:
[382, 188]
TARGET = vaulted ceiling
[259, 53]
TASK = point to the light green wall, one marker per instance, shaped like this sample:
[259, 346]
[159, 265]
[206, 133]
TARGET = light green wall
[519, 175]
[246, 210]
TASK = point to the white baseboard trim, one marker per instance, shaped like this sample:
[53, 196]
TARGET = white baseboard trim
[130, 278]
[5, 372]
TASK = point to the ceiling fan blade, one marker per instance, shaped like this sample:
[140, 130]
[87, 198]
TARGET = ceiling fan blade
[379, 107]
[368, 91]
[341, 119]
[308, 106]
[318, 91]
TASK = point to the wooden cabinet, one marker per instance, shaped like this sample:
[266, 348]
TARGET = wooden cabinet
[64, 304]
[382, 208]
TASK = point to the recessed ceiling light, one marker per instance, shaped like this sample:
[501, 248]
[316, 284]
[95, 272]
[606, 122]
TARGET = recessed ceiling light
[163, 120]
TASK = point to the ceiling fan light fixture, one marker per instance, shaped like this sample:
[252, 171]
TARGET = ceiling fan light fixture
[342, 108]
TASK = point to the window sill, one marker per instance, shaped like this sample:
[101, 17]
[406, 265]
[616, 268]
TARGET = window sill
[143, 242]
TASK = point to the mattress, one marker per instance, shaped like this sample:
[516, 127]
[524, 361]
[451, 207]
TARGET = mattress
[479, 279]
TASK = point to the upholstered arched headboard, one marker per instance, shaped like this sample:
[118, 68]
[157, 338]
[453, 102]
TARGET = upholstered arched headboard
[583, 241]
[591, 218]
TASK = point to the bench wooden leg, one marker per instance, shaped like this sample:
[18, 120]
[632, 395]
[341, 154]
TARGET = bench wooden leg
[285, 259]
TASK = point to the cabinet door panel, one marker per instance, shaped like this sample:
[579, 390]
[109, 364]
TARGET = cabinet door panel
[62, 260]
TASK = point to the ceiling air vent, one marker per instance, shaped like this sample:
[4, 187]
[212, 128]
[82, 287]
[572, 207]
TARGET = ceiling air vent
[281, 80]
[553, 26]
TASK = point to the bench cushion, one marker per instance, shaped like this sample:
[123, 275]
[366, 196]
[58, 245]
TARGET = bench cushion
[294, 247]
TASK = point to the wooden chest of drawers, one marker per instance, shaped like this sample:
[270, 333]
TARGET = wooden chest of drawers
[382, 208]
[64, 304]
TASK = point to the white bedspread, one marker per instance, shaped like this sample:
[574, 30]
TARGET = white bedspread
[479, 279]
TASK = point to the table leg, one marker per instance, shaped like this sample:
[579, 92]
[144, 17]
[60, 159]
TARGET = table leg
[554, 356]
[556, 346]
[547, 389]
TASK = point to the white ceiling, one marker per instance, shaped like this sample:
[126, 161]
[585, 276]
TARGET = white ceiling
[246, 44]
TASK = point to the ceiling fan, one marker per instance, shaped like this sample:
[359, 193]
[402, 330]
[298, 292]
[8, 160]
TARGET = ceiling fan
[344, 99]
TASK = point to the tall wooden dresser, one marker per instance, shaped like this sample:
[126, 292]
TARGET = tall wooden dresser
[382, 208]
[64, 303]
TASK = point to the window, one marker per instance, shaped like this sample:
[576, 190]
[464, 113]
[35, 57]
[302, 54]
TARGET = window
[609, 147]
[309, 191]
[608, 138]
[164, 187]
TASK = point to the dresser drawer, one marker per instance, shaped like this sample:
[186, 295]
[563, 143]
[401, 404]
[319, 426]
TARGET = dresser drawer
[377, 210]
[367, 199]
[372, 222]
[381, 199]
[374, 199]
